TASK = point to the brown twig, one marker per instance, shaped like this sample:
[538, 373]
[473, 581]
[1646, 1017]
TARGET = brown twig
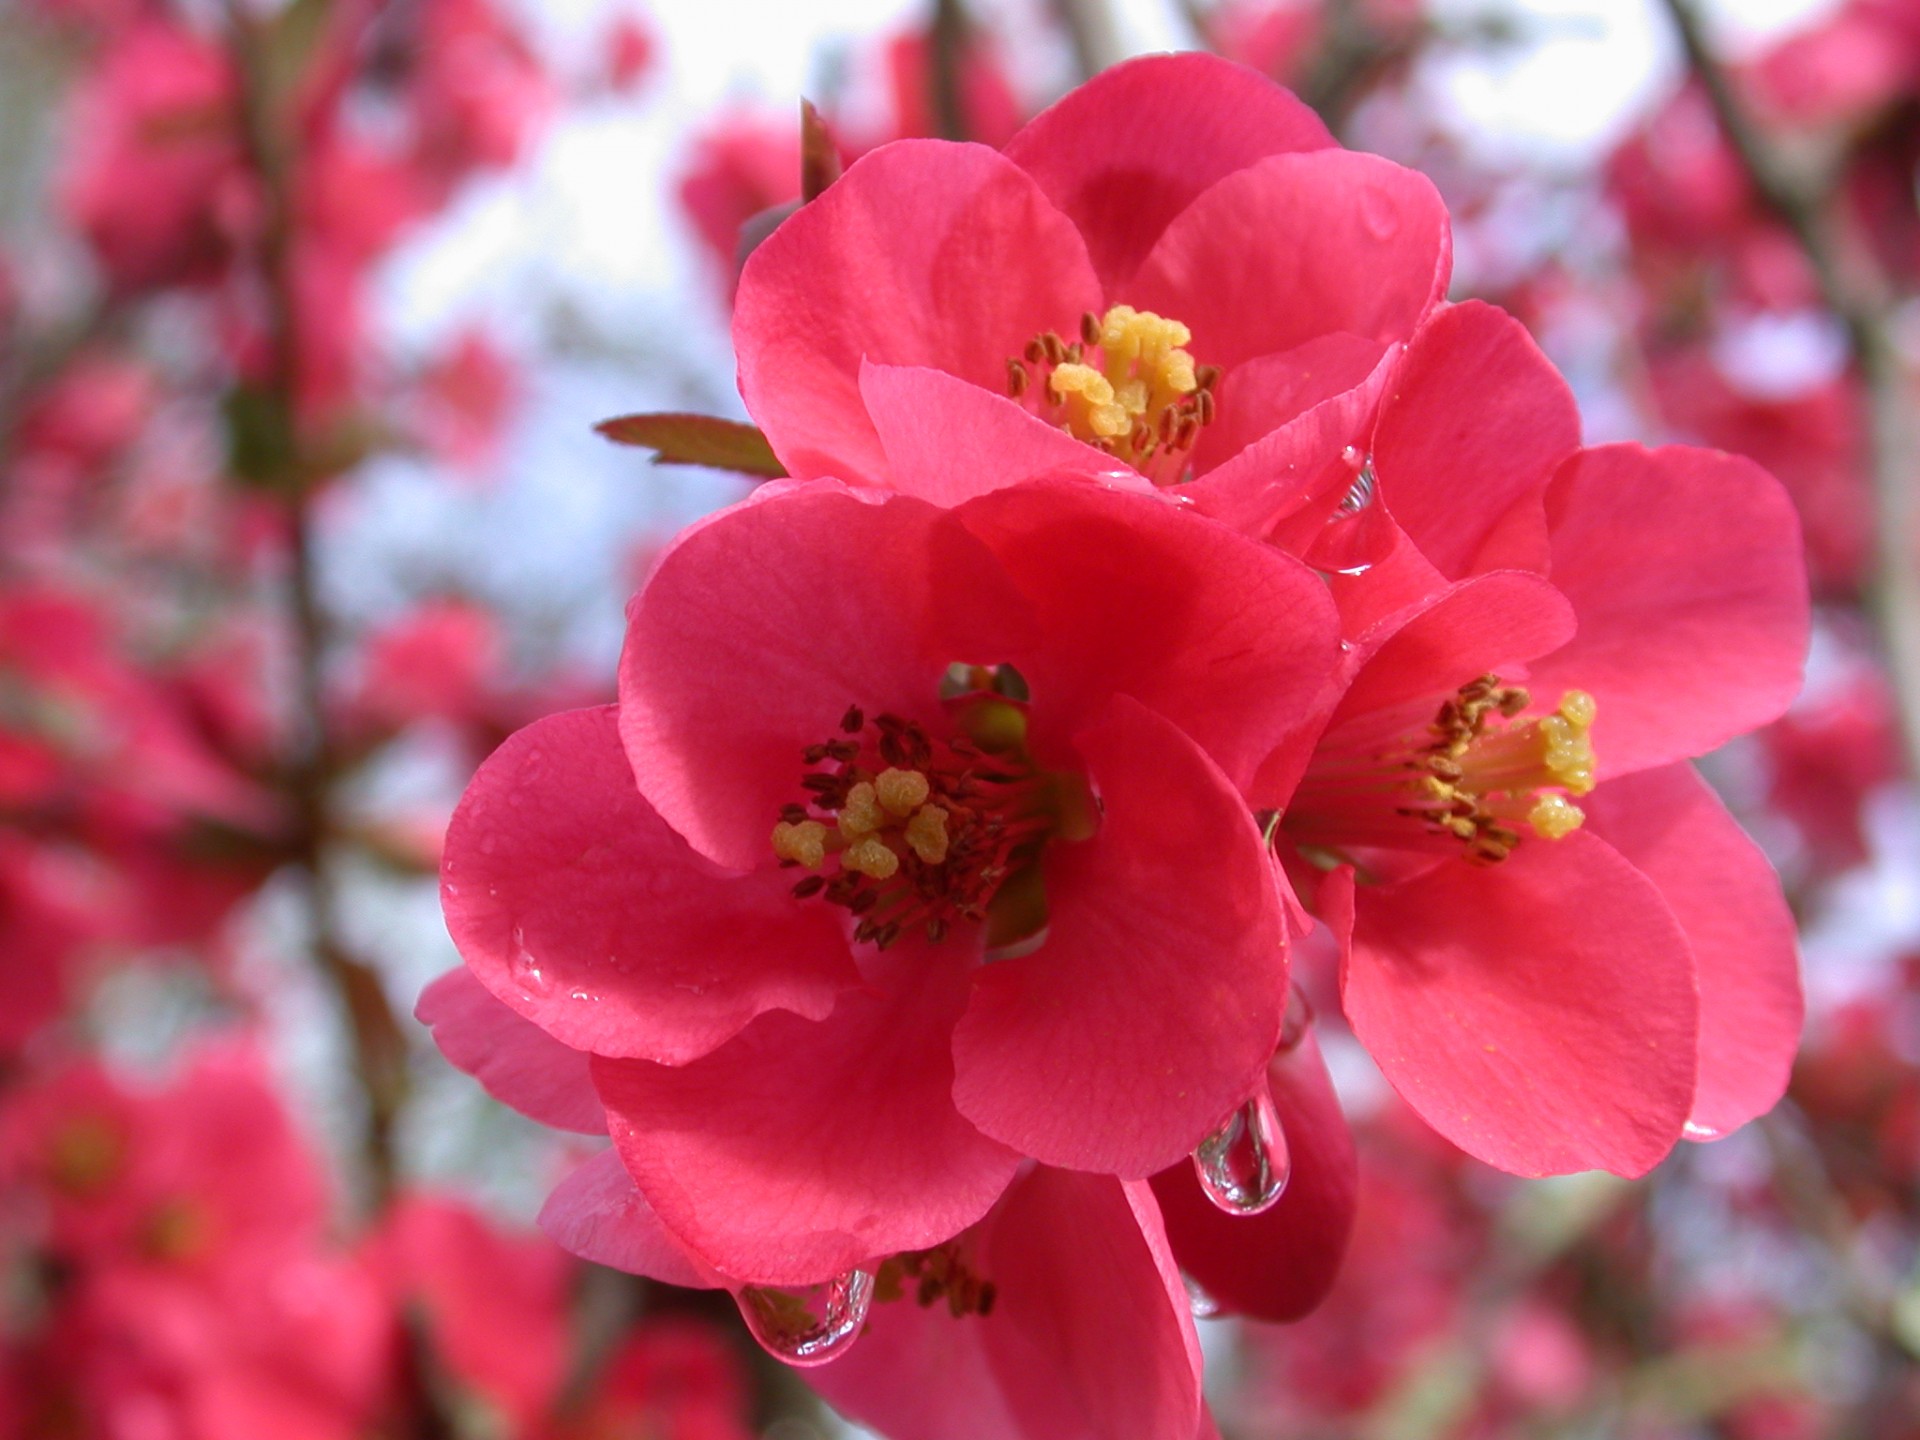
[1859, 297]
[946, 58]
[379, 1044]
[1092, 33]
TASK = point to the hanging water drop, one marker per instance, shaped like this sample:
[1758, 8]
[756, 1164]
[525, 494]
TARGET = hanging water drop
[812, 1324]
[1359, 494]
[524, 966]
[1244, 1165]
[1700, 1132]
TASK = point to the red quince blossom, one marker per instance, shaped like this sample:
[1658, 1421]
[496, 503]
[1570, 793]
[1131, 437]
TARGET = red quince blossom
[155, 180]
[1173, 267]
[1548, 996]
[1091, 1327]
[803, 1076]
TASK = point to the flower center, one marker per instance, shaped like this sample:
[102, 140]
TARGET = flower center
[1477, 778]
[1126, 387]
[905, 829]
[945, 1272]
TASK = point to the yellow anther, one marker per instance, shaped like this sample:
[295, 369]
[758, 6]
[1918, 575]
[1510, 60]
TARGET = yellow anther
[902, 791]
[860, 813]
[1091, 410]
[1554, 817]
[805, 842]
[870, 857]
[927, 834]
[1579, 709]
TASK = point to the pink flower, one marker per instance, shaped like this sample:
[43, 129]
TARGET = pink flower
[1558, 979]
[1060, 1315]
[1172, 269]
[800, 1076]
[155, 179]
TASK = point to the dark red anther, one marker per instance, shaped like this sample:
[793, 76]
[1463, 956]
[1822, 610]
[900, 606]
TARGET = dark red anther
[853, 720]
[1090, 328]
[810, 886]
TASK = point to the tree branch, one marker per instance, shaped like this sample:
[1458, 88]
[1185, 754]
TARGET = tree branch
[1860, 298]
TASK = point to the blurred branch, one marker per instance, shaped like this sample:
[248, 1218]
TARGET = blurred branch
[1090, 29]
[946, 54]
[1860, 298]
[379, 1044]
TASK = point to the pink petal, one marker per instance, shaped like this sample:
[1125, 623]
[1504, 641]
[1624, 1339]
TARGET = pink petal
[1686, 571]
[1539, 1013]
[1155, 999]
[599, 1214]
[1277, 1265]
[1089, 1337]
[1404, 665]
[1128, 151]
[762, 625]
[1478, 418]
[948, 440]
[1299, 246]
[1294, 470]
[801, 1149]
[576, 905]
[1093, 1334]
[1225, 637]
[1671, 826]
[515, 1061]
[923, 253]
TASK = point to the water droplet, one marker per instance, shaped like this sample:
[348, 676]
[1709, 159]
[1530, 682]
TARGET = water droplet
[586, 995]
[1244, 1165]
[1359, 495]
[812, 1324]
[524, 966]
[1203, 1305]
[1294, 1024]
[1700, 1132]
[1353, 458]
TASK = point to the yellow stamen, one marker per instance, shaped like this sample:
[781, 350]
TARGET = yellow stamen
[1092, 412]
[861, 815]
[870, 857]
[805, 842]
[902, 791]
[1554, 817]
[927, 833]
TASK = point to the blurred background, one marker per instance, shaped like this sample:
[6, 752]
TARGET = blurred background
[307, 313]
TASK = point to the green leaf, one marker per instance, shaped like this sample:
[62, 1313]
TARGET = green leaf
[697, 440]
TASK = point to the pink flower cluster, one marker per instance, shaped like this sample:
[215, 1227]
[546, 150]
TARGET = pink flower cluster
[1166, 573]
[193, 1288]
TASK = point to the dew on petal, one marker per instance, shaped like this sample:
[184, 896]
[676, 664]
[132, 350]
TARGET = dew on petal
[1244, 1165]
[812, 1324]
[524, 966]
[1700, 1132]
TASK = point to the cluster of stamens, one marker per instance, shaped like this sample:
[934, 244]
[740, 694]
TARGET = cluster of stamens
[904, 831]
[940, 1273]
[1480, 776]
[1126, 386]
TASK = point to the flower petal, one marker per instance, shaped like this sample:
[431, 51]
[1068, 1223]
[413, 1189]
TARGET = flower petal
[1671, 826]
[948, 440]
[576, 905]
[761, 626]
[1686, 571]
[1298, 246]
[1539, 1013]
[801, 1149]
[599, 1214]
[1277, 1265]
[1156, 997]
[923, 253]
[515, 1061]
[1225, 637]
[1126, 152]
[1089, 1336]
[1478, 419]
